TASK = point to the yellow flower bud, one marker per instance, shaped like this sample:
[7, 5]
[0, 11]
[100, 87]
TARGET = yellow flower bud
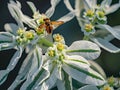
[51, 53]
[40, 30]
[111, 80]
[106, 87]
[60, 46]
[101, 14]
[29, 35]
[90, 13]
[20, 31]
[88, 27]
[57, 38]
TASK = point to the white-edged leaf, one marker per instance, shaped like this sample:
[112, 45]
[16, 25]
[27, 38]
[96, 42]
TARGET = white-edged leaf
[88, 87]
[11, 27]
[97, 68]
[66, 83]
[106, 45]
[51, 10]
[38, 61]
[15, 58]
[32, 6]
[67, 17]
[12, 64]
[79, 7]
[6, 37]
[20, 17]
[112, 8]
[115, 33]
[43, 87]
[83, 75]
[16, 13]
[90, 4]
[15, 3]
[31, 64]
[50, 82]
[22, 75]
[106, 3]
[77, 60]
[38, 77]
[29, 21]
[6, 46]
[86, 49]
[68, 5]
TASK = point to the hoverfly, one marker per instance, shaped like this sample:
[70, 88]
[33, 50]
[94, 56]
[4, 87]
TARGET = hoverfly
[49, 25]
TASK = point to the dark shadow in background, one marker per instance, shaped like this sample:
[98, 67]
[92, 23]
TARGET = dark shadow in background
[70, 30]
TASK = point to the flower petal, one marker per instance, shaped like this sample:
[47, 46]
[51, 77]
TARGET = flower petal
[86, 49]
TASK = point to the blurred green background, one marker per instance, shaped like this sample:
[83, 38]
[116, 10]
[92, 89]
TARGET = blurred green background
[71, 31]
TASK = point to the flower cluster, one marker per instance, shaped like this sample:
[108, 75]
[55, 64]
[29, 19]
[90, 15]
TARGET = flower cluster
[92, 18]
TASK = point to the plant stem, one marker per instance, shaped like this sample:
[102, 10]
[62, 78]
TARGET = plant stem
[45, 42]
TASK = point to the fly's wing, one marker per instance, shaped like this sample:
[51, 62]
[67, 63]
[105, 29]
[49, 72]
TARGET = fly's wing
[56, 23]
